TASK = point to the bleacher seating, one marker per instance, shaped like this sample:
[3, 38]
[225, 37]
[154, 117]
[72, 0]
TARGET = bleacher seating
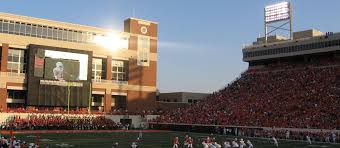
[280, 95]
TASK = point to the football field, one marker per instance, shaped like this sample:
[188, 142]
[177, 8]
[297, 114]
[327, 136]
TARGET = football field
[150, 139]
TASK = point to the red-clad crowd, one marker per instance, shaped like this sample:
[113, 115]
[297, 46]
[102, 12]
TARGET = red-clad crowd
[290, 97]
[60, 122]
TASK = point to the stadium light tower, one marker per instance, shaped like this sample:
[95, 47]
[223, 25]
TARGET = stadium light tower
[280, 12]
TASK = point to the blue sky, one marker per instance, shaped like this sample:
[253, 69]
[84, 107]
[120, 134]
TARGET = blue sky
[199, 41]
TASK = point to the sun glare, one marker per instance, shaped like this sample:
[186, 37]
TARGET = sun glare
[111, 41]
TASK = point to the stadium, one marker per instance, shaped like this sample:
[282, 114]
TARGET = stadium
[52, 96]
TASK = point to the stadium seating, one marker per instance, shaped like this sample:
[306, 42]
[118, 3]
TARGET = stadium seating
[279, 95]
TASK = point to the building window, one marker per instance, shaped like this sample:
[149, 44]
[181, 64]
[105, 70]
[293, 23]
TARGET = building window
[11, 27]
[143, 51]
[39, 31]
[55, 33]
[22, 29]
[49, 32]
[28, 29]
[5, 26]
[118, 102]
[64, 35]
[34, 31]
[44, 32]
[69, 35]
[119, 70]
[60, 34]
[16, 94]
[84, 37]
[97, 98]
[16, 61]
[97, 68]
[1, 23]
[17, 28]
[74, 36]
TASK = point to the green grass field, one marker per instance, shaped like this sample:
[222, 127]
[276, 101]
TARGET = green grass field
[150, 140]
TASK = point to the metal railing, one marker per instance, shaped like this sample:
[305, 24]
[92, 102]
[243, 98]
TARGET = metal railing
[110, 81]
[12, 74]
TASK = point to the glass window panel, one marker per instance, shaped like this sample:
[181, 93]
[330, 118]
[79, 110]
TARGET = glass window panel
[64, 35]
[39, 31]
[83, 37]
[44, 32]
[49, 32]
[114, 68]
[98, 74]
[120, 69]
[74, 36]
[34, 30]
[120, 76]
[17, 28]
[55, 33]
[93, 74]
[28, 29]
[114, 76]
[89, 37]
[1, 22]
[60, 34]
[9, 66]
[11, 27]
[25, 68]
[15, 59]
[5, 26]
[79, 37]
[69, 35]
[96, 68]
[22, 29]
[21, 68]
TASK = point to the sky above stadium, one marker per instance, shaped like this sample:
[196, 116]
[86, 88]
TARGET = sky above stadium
[199, 41]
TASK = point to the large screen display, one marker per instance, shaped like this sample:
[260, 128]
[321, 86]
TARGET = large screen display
[72, 65]
[61, 69]
[58, 76]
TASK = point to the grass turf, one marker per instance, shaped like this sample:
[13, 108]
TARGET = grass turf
[149, 140]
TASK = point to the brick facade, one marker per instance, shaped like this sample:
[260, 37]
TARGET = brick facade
[4, 57]
[3, 98]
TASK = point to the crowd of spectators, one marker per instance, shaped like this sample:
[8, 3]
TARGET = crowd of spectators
[58, 110]
[302, 96]
[60, 122]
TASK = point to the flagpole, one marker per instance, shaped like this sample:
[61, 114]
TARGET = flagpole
[90, 98]
[68, 97]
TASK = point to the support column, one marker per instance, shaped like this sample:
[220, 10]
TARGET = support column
[109, 68]
[107, 101]
[3, 98]
[4, 57]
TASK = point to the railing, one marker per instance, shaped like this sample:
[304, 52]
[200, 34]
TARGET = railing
[248, 127]
[110, 81]
[11, 74]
